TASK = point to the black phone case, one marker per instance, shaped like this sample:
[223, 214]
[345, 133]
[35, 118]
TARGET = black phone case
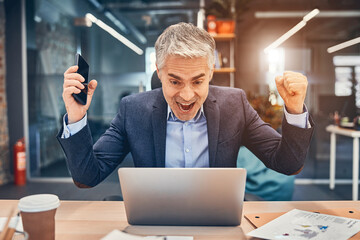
[83, 70]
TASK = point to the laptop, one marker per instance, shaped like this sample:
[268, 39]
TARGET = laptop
[183, 196]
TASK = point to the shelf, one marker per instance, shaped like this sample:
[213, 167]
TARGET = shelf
[226, 46]
[224, 37]
[224, 70]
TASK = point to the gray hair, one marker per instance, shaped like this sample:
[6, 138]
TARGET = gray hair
[185, 40]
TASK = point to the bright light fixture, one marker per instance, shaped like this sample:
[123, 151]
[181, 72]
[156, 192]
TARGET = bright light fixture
[201, 15]
[311, 14]
[284, 37]
[110, 16]
[114, 33]
[343, 45]
[293, 30]
[299, 14]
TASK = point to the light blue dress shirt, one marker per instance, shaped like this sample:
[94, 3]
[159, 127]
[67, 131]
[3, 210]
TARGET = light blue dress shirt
[72, 128]
[187, 141]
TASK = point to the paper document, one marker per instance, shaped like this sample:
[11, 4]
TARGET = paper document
[119, 235]
[19, 226]
[303, 225]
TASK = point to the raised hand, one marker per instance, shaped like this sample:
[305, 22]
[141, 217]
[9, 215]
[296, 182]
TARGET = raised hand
[73, 84]
[292, 88]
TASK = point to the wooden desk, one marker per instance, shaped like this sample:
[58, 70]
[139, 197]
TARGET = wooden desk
[80, 220]
[333, 129]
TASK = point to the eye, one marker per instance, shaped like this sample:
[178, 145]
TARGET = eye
[174, 82]
[198, 82]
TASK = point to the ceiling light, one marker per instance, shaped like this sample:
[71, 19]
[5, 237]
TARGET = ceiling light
[292, 31]
[343, 45]
[201, 15]
[284, 37]
[119, 24]
[299, 14]
[311, 14]
[114, 33]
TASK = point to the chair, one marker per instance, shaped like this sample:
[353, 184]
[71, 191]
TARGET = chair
[262, 181]
[155, 81]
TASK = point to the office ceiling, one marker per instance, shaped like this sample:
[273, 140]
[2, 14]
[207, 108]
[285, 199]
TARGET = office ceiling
[336, 26]
[151, 17]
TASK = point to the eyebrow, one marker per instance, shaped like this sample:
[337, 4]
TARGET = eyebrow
[179, 78]
[198, 76]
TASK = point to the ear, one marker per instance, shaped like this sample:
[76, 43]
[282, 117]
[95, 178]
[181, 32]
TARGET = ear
[158, 72]
[212, 72]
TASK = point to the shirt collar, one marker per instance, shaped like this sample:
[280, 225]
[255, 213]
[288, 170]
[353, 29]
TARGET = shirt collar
[171, 116]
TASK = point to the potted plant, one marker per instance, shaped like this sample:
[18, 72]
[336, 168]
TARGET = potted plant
[268, 112]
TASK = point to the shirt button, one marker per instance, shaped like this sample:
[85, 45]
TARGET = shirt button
[186, 123]
[187, 150]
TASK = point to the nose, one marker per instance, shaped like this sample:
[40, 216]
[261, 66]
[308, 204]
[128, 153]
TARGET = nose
[187, 93]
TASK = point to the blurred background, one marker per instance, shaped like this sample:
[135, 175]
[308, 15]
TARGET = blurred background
[39, 40]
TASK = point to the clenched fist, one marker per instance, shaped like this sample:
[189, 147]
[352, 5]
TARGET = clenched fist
[292, 88]
[73, 84]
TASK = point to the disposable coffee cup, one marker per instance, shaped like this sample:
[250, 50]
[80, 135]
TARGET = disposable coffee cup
[38, 215]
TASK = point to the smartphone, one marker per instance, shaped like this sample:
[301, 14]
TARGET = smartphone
[83, 70]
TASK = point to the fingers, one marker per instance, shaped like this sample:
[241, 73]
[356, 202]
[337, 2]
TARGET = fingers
[69, 91]
[71, 69]
[294, 88]
[74, 76]
[294, 82]
[71, 83]
[294, 77]
[70, 74]
[291, 83]
[279, 80]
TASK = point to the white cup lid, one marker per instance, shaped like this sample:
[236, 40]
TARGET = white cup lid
[39, 203]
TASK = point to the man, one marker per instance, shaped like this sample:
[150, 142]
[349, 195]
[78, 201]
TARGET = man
[186, 123]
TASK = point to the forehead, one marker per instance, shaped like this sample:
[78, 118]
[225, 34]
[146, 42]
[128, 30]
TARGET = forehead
[185, 65]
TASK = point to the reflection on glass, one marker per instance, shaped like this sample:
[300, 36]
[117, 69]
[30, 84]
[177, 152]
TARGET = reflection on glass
[347, 68]
[343, 81]
[52, 42]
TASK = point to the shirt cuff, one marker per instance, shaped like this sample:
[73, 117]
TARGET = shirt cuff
[73, 128]
[298, 120]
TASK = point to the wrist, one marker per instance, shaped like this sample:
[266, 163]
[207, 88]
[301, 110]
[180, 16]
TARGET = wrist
[297, 110]
[73, 120]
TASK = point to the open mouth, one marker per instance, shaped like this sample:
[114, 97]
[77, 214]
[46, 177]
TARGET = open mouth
[185, 107]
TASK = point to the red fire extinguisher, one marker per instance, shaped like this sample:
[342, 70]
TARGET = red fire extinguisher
[20, 162]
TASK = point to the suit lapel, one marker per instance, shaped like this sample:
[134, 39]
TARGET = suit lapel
[159, 129]
[212, 114]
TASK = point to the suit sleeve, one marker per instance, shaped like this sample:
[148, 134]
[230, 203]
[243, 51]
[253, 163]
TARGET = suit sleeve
[284, 153]
[90, 163]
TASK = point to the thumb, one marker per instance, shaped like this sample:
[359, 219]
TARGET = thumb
[279, 80]
[91, 87]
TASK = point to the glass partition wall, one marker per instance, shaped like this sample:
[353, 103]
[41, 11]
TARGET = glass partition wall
[53, 39]
[56, 31]
[52, 44]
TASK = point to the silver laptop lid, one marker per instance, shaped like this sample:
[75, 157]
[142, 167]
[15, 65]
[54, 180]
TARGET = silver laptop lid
[183, 196]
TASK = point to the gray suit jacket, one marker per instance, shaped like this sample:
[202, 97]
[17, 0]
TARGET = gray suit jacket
[140, 128]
